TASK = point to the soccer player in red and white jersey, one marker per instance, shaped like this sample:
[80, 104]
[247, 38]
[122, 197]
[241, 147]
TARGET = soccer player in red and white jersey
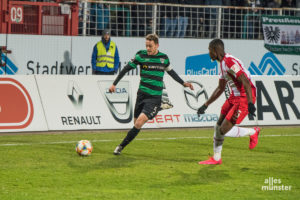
[237, 106]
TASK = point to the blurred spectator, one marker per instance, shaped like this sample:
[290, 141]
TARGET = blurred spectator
[226, 19]
[121, 18]
[133, 18]
[288, 4]
[183, 19]
[141, 16]
[196, 19]
[238, 3]
[298, 6]
[252, 20]
[100, 16]
[211, 17]
[274, 3]
[227, 2]
[80, 18]
[169, 19]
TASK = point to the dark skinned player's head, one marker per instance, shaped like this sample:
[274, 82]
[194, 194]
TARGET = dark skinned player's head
[216, 49]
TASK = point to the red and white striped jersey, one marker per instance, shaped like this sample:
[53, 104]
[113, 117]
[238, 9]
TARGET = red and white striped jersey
[231, 69]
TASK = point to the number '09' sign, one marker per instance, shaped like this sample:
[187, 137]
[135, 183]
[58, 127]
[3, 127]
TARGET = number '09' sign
[16, 14]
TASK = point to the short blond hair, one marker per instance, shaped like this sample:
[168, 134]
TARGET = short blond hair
[152, 37]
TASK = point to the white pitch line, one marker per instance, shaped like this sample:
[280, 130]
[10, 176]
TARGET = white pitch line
[140, 139]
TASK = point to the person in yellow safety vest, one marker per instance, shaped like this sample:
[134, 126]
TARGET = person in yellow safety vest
[105, 57]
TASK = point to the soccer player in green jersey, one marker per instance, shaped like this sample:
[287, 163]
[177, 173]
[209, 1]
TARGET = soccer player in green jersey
[153, 65]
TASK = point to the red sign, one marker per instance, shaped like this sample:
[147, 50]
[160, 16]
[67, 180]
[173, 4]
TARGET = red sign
[165, 119]
[16, 108]
[16, 14]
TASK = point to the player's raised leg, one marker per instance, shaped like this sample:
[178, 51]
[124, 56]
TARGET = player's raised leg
[242, 132]
[132, 133]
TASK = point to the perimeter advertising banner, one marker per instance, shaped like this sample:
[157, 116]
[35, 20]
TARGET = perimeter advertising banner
[84, 102]
[278, 102]
[282, 34]
[70, 102]
[20, 105]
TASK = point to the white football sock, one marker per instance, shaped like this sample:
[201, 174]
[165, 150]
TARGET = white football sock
[239, 132]
[218, 143]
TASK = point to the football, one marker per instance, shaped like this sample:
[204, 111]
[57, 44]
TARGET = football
[84, 148]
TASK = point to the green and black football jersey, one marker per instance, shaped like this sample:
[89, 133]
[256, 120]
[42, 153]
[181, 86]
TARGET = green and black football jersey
[152, 69]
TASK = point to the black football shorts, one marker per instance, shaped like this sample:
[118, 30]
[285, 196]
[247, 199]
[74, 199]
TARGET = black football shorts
[146, 105]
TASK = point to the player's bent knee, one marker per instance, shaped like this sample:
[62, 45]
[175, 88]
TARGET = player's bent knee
[223, 130]
[141, 120]
[138, 125]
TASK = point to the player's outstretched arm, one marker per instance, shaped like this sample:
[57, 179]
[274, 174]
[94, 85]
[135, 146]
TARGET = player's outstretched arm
[175, 76]
[187, 84]
[122, 73]
[112, 88]
[215, 95]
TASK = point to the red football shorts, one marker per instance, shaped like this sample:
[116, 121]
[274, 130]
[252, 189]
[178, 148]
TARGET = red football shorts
[235, 109]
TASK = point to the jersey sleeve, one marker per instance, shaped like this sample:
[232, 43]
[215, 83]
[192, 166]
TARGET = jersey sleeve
[169, 68]
[167, 62]
[221, 76]
[234, 68]
[134, 62]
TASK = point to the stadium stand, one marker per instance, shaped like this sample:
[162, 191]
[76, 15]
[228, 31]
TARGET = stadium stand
[189, 19]
[177, 18]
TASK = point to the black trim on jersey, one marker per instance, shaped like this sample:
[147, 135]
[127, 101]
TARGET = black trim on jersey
[153, 56]
[152, 87]
[147, 96]
[122, 73]
[154, 69]
[135, 62]
[156, 78]
[175, 76]
[153, 64]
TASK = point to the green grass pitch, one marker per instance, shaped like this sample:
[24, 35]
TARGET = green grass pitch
[158, 164]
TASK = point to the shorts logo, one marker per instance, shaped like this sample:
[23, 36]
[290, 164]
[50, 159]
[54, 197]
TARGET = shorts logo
[195, 99]
[118, 100]
[15, 95]
[154, 111]
[236, 115]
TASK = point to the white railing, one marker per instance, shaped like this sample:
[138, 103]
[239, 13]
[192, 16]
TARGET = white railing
[174, 20]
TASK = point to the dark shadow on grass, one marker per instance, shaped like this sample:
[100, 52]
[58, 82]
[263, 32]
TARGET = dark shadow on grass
[117, 162]
[87, 164]
[209, 174]
[206, 175]
[162, 157]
